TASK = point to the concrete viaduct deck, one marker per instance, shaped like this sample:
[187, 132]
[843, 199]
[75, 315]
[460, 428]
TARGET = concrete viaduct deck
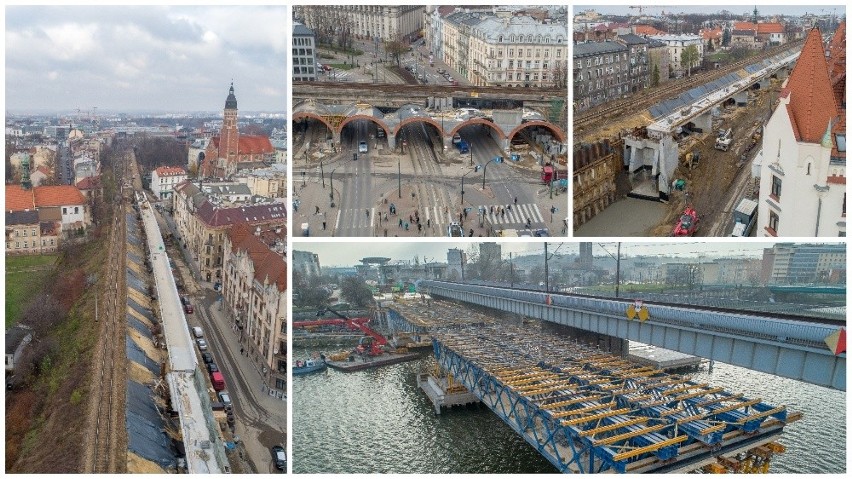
[205, 453]
[791, 349]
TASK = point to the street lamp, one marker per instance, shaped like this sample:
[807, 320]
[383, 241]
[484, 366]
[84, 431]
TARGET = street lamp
[399, 176]
[322, 175]
[484, 168]
[331, 195]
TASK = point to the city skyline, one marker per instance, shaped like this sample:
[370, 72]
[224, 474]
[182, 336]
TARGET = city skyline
[762, 10]
[152, 58]
[332, 255]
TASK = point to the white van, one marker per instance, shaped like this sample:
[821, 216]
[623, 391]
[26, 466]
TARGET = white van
[197, 332]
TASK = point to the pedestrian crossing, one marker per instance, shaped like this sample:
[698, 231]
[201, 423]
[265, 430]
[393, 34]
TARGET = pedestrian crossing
[495, 214]
[361, 222]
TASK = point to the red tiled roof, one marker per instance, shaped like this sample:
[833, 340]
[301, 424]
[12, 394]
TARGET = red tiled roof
[812, 103]
[61, 195]
[254, 214]
[19, 199]
[252, 144]
[744, 26]
[170, 171]
[770, 28]
[837, 63]
[709, 34]
[836, 180]
[44, 170]
[269, 267]
[646, 30]
[89, 183]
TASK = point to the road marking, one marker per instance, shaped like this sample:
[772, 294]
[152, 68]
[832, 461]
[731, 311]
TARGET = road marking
[372, 216]
[337, 223]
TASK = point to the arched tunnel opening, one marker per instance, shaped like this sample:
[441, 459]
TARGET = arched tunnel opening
[484, 138]
[362, 136]
[310, 135]
[539, 143]
[421, 136]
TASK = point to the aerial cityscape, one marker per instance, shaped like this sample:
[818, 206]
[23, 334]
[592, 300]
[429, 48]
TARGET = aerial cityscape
[470, 103]
[132, 180]
[554, 351]
[692, 124]
[341, 239]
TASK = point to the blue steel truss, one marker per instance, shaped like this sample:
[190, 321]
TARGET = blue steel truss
[588, 412]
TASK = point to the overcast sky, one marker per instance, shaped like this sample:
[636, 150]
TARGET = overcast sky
[350, 253]
[144, 58]
[762, 10]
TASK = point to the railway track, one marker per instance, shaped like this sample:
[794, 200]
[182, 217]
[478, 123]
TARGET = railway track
[714, 309]
[425, 164]
[672, 89]
[306, 89]
[108, 439]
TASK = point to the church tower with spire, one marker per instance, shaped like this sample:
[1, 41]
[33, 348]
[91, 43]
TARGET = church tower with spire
[230, 136]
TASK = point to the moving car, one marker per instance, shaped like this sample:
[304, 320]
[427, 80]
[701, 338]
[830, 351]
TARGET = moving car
[455, 230]
[362, 146]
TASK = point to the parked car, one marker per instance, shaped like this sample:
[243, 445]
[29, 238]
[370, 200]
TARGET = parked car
[188, 309]
[279, 457]
[207, 357]
[202, 344]
[197, 332]
[225, 399]
[212, 367]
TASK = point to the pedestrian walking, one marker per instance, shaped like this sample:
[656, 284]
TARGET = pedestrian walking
[400, 222]
[428, 222]
[419, 227]
[317, 209]
[465, 213]
[367, 212]
[516, 200]
[323, 225]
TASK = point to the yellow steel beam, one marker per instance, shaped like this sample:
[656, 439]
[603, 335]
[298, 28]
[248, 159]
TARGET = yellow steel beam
[751, 402]
[685, 387]
[641, 398]
[671, 411]
[719, 399]
[582, 410]
[595, 417]
[627, 435]
[540, 385]
[547, 389]
[697, 394]
[712, 429]
[761, 414]
[528, 379]
[613, 427]
[569, 402]
[650, 448]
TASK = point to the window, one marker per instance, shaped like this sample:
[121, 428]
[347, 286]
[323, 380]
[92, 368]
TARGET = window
[773, 222]
[76, 209]
[64, 210]
[17, 244]
[25, 233]
[25, 244]
[776, 188]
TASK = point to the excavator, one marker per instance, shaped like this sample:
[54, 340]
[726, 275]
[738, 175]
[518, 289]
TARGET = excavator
[371, 344]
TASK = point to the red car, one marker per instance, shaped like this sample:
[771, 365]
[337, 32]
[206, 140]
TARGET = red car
[688, 223]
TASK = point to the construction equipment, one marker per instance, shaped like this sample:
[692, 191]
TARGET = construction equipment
[688, 223]
[723, 141]
[745, 215]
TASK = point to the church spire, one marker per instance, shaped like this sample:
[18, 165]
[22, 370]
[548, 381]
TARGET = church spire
[231, 102]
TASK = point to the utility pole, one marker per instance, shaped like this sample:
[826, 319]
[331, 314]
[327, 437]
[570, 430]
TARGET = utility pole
[618, 269]
[546, 278]
[511, 270]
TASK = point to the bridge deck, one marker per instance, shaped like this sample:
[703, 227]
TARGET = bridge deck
[588, 412]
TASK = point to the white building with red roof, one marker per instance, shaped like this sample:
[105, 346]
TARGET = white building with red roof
[803, 159]
[63, 204]
[164, 179]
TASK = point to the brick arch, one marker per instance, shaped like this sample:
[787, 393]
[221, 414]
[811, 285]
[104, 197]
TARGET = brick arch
[560, 135]
[478, 121]
[375, 120]
[306, 114]
[419, 119]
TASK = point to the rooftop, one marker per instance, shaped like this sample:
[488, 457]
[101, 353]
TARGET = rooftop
[597, 48]
[812, 104]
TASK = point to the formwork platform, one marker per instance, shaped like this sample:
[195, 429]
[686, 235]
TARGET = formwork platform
[590, 412]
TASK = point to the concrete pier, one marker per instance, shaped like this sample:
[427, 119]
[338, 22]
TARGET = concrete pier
[442, 394]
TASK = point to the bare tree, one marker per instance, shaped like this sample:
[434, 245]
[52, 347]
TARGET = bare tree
[396, 48]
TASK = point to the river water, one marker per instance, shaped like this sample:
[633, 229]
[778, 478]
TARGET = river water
[379, 421]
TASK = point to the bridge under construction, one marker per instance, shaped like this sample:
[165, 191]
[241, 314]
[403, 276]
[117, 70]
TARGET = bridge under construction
[592, 412]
